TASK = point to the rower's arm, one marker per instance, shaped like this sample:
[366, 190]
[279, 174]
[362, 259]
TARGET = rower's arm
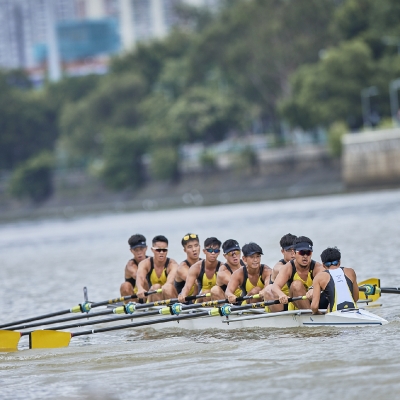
[192, 275]
[317, 269]
[316, 295]
[143, 270]
[235, 281]
[172, 270]
[281, 279]
[353, 277]
[223, 276]
[275, 271]
[130, 270]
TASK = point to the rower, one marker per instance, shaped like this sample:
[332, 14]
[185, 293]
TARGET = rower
[339, 284]
[191, 247]
[297, 275]
[287, 250]
[203, 271]
[233, 262]
[138, 248]
[251, 277]
[157, 272]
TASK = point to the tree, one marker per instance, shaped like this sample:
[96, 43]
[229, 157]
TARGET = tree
[114, 103]
[123, 158]
[33, 178]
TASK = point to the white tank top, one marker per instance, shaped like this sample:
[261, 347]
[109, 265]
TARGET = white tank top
[342, 290]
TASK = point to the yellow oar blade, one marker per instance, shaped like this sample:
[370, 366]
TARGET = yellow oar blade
[371, 281]
[9, 340]
[49, 339]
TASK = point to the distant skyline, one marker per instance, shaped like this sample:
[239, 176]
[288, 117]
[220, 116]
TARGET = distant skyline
[24, 24]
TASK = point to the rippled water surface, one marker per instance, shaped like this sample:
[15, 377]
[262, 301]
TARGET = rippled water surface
[45, 265]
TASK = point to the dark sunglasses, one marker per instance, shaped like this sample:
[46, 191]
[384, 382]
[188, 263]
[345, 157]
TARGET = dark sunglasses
[328, 264]
[305, 252]
[213, 250]
[160, 250]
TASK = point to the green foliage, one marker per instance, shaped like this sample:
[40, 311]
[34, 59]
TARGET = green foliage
[206, 115]
[33, 178]
[114, 103]
[330, 90]
[335, 134]
[123, 152]
[164, 163]
[27, 126]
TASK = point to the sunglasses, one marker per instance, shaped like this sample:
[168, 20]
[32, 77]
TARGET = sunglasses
[305, 252]
[328, 264]
[233, 253]
[209, 250]
[190, 236]
[160, 250]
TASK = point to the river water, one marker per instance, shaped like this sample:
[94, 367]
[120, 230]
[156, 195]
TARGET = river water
[45, 264]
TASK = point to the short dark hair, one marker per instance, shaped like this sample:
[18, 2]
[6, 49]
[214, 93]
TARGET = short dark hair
[330, 254]
[303, 239]
[212, 241]
[135, 239]
[184, 242]
[251, 248]
[287, 240]
[159, 238]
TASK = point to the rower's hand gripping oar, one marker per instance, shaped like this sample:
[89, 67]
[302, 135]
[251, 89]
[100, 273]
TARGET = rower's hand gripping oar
[9, 339]
[55, 339]
[84, 307]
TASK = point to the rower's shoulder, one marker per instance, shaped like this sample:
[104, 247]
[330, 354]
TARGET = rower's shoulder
[173, 263]
[196, 264]
[144, 263]
[350, 272]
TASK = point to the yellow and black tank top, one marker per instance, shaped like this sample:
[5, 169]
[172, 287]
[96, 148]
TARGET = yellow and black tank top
[339, 290]
[179, 285]
[152, 278]
[238, 291]
[295, 277]
[203, 281]
[246, 286]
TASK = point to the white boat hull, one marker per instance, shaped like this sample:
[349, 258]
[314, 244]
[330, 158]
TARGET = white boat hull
[260, 319]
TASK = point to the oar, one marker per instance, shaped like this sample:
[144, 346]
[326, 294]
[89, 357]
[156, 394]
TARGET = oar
[173, 309]
[125, 309]
[55, 339]
[9, 338]
[85, 307]
[371, 289]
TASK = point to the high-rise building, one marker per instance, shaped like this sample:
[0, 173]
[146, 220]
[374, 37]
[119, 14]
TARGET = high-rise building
[141, 20]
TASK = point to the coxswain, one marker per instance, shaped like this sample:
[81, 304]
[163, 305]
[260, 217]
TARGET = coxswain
[233, 262]
[138, 248]
[157, 272]
[297, 275]
[250, 278]
[287, 250]
[191, 246]
[338, 284]
[204, 271]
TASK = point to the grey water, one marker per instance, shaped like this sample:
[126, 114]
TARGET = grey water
[45, 265]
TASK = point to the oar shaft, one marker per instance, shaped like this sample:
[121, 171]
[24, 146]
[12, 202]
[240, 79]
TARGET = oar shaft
[23, 321]
[105, 320]
[120, 299]
[57, 321]
[142, 323]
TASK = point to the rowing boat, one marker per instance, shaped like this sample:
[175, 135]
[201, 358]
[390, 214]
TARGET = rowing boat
[261, 319]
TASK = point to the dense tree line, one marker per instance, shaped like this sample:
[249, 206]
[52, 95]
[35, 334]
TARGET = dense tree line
[300, 61]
